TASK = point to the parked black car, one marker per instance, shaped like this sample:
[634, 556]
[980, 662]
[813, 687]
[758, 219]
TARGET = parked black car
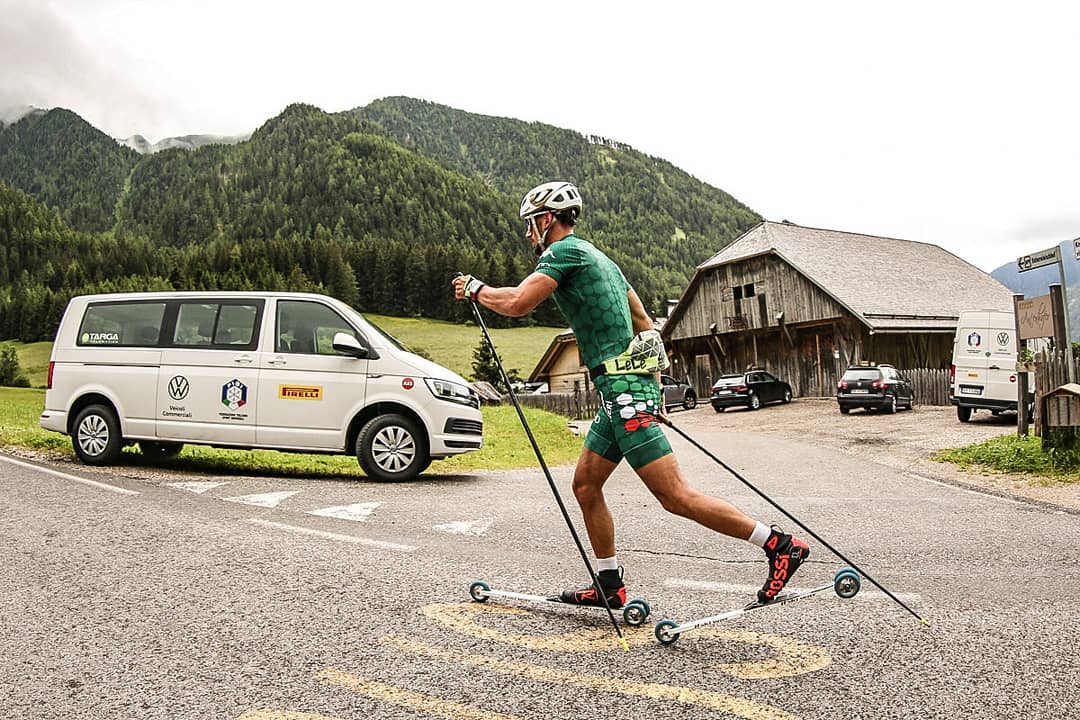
[677, 393]
[753, 389]
[880, 387]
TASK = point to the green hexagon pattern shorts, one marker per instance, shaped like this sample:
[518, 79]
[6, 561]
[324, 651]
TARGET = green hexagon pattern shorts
[625, 426]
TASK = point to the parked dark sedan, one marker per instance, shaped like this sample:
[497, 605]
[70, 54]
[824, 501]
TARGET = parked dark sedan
[753, 389]
[880, 387]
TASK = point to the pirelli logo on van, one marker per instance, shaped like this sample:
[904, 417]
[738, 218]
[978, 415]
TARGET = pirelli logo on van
[299, 392]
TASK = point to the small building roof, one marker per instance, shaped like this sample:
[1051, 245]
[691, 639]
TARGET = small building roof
[890, 284]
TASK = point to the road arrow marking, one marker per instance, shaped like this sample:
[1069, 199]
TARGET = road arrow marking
[266, 500]
[357, 512]
[381, 544]
[196, 487]
[467, 527]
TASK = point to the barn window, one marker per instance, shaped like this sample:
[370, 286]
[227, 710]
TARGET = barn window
[748, 290]
[737, 292]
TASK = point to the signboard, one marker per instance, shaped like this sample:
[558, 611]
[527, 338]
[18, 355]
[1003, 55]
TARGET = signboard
[1034, 318]
[1076, 248]
[1039, 259]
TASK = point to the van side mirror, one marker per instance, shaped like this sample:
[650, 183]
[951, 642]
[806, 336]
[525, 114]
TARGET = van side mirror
[347, 345]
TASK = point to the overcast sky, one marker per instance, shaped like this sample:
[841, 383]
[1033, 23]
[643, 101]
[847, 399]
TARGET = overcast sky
[945, 122]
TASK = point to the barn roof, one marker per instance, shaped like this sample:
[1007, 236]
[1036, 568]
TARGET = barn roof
[890, 284]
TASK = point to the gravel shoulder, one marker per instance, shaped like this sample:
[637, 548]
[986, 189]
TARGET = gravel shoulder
[907, 440]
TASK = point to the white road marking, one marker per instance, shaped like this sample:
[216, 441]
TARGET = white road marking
[467, 527]
[909, 598]
[357, 512]
[266, 500]
[332, 536]
[73, 478]
[196, 487]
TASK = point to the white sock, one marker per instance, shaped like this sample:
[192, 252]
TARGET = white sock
[612, 563]
[760, 535]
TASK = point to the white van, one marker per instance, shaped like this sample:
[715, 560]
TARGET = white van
[283, 371]
[983, 374]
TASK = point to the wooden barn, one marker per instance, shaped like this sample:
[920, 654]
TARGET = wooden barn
[805, 303]
[561, 366]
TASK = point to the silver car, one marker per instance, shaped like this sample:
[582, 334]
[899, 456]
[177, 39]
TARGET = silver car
[677, 393]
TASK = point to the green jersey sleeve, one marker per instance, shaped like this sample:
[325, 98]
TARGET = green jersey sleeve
[560, 261]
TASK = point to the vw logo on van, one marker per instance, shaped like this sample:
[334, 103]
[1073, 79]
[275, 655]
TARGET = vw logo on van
[178, 387]
[1003, 338]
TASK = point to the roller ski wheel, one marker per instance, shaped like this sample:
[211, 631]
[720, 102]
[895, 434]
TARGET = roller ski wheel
[663, 633]
[479, 591]
[847, 583]
[636, 612]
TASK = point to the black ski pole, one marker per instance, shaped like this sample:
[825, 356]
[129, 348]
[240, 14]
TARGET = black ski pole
[547, 473]
[794, 519]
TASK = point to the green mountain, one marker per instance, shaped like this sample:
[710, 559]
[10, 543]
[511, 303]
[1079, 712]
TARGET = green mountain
[656, 220]
[377, 205]
[67, 163]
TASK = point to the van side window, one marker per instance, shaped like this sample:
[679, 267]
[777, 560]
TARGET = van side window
[308, 327]
[122, 325]
[215, 325]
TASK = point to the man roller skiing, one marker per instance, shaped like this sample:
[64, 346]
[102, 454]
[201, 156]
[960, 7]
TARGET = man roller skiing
[624, 355]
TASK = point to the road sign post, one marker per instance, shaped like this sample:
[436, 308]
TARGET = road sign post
[1052, 256]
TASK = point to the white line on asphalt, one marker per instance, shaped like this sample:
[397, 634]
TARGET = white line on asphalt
[196, 487]
[357, 512]
[477, 528]
[73, 478]
[266, 500]
[909, 598]
[332, 536]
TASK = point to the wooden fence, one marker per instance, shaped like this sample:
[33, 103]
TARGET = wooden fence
[1051, 371]
[931, 385]
[576, 406]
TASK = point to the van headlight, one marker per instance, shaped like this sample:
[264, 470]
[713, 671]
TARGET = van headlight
[453, 392]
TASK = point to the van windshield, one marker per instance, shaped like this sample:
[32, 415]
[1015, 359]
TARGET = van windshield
[389, 338]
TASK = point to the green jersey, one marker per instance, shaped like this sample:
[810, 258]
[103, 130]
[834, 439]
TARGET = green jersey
[592, 296]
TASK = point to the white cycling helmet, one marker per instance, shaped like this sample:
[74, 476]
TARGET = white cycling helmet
[555, 197]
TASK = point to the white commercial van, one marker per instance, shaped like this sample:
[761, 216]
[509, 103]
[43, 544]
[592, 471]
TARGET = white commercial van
[283, 371]
[983, 374]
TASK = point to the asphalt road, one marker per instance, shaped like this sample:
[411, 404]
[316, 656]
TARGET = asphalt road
[174, 601]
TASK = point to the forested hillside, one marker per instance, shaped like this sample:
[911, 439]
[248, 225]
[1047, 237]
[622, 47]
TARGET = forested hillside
[376, 206]
[66, 163]
[657, 221]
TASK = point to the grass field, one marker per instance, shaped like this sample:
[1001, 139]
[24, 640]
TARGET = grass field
[453, 345]
[33, 359]
[505, 445]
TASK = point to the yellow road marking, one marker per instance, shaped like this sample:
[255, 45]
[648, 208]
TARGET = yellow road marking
[791, 657]
[462, 617]
[283, 715]
[740, 707]
[408, 698]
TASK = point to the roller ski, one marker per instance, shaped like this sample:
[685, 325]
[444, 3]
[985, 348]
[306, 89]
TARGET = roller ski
[845, 584]
[634, 613]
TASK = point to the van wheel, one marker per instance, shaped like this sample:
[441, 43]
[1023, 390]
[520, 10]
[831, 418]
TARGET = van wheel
[95, 436]
[156, 450]
[391, 448]
[963, 413]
